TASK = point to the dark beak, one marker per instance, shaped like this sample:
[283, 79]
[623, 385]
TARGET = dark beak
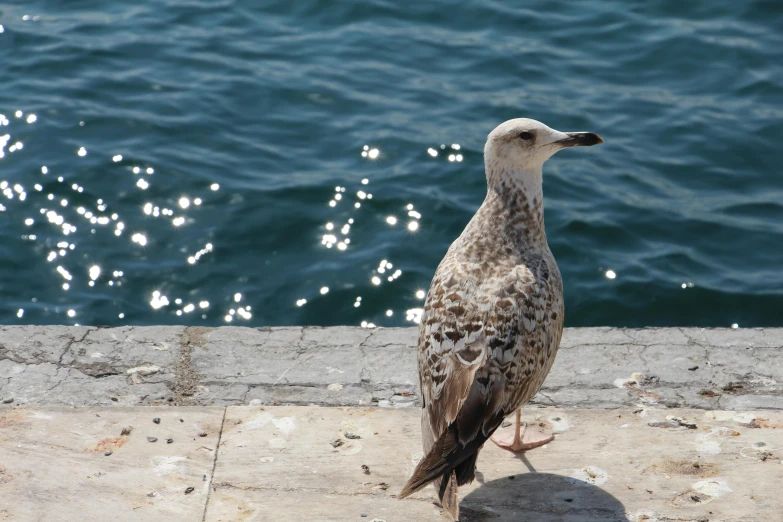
[580, 139]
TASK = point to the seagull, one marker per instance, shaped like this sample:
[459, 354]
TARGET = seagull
[493, 316]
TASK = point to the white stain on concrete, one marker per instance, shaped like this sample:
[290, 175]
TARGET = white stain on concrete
[96, 355]
[714, 487]
[266, 459]
[731, 416]
[285, 424]
[709, 443]
[763, 381]
[559, 422]
[168, 465]
[335, 387]
[143, 370]
[634, 379]
[350, 448]
[277, 442]
[259, 421]
[708, 447]
[592, 475]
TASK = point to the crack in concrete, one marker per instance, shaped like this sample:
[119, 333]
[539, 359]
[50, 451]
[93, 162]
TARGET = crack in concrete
[71, 343]
[214, 465]
[296, 362]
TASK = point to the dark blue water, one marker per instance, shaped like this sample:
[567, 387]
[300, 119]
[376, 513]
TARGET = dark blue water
[215, 134]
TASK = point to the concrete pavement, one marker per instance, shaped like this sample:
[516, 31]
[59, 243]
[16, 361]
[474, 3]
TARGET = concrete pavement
[652, 425]
[334, 464]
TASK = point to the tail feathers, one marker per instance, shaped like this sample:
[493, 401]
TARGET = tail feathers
[434, 464]
[447, 492]
[466, 471]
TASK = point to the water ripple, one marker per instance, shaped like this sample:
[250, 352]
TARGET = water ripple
[213, 162]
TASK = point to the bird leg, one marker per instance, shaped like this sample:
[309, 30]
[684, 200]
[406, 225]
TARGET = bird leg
[518, 438]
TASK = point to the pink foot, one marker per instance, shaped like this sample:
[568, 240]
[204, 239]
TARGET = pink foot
[530, 437]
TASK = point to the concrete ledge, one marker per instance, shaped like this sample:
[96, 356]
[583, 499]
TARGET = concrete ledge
[344, 366]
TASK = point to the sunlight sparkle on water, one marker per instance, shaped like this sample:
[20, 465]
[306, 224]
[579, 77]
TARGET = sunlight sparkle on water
[414, 315]
[158, 300]
[610, 274]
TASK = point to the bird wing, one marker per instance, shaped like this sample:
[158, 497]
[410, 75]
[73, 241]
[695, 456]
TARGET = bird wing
[452, 347]
[464, 394]
[465, 325]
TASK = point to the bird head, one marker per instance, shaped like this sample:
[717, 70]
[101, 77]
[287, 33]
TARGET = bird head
[523, 144]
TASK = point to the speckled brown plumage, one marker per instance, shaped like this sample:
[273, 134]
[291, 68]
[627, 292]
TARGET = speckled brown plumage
[493, 316]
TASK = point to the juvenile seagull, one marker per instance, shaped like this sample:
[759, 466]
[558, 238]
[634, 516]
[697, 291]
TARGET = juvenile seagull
[493, 316]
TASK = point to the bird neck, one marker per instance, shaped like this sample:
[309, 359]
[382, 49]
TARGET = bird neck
[515, 199]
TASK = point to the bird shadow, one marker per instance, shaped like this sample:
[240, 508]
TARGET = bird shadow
[539, 497]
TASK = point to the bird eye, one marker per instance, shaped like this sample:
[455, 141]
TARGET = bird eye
[526, 135]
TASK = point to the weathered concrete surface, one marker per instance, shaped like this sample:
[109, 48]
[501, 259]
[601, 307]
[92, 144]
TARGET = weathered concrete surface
[87, 365]
[596, 367]
[53, 465]
[276, 463]
[335, 464]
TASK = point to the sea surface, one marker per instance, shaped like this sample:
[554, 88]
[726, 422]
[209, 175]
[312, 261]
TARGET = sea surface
[213, 162]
